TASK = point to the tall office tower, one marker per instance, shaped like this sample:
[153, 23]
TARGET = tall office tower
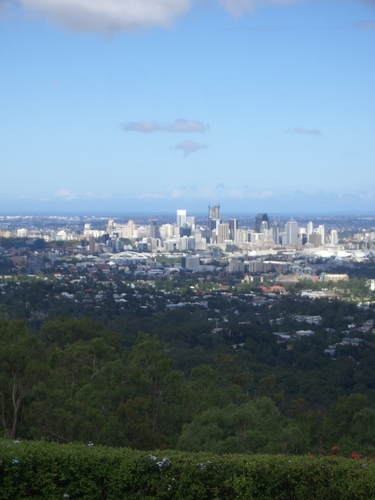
[334, 237]
[128, 229]
[181, 217]
[310, 228]
[291, 229]
[154, 229]
[190, 220]
[233, 226]
[302, 234]
[92, 244]
[166, 230]
[258, 222]
[322, 231]
[213, 216]
[222, 233]
[275, 230]
[110, 226]
[185, 230]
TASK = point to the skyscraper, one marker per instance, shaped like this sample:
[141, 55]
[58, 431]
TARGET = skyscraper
[213, 216]
[258, 222]
[181, 217]
[233, 226]
[275, 230]
[291, 229]
[334, 237]
[322, 231]
[154, 229]
[222, 233]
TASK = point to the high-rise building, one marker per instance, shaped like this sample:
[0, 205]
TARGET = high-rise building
[291, 230]
[233, 226]
[213, 216]
[92, 243]
[334, 237]
[190, 220]
[275, 230]
[181, 217]
[258, 222]
[222, 233]
[322, 231]
[185, 230]
[315, 239]
[310, 228]
[154, 229]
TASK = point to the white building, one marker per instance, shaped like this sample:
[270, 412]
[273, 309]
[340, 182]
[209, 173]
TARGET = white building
[291, 229]
[322, 231]
[181, 217]
[334, 237]
[222, 233]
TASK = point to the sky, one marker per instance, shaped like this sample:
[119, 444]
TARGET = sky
[158, 105]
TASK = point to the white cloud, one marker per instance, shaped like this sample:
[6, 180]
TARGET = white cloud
[108, 16]
[190, 147]
[239, 7]
[111, 16]
[180, 125]
[308, 131]
[151, 196]
[65, 194]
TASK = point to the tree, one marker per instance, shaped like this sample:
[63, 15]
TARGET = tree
[251, 427]
[64, 330]
[21, 366]
[73, 402]
[151, 394]
[339, 421]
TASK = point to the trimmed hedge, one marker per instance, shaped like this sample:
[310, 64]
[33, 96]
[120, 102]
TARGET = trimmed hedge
[41, 470]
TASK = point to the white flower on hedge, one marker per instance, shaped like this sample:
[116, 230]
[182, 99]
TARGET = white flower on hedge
[14, 461]
[164, 462]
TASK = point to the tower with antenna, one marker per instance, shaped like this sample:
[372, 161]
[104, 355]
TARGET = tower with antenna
[213, 216]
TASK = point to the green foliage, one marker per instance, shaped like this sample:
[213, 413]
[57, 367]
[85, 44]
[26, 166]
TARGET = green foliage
[20, 368]
[64, 330]
[42, 470]
[252, 427]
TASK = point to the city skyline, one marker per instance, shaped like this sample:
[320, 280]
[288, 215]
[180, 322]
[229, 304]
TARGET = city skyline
[256, 106]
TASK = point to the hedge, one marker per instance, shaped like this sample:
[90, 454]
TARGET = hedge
[42, 470]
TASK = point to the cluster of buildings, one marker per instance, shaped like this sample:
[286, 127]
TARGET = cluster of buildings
[185, 234]
[200, 244]
[188, 233]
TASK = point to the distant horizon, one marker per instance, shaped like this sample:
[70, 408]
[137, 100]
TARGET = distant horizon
[172, 213]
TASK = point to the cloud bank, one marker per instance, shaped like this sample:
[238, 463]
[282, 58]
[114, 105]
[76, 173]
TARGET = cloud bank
[110, 16]
[190, 147]
[180, 125]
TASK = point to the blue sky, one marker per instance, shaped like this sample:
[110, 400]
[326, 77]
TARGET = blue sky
[154, 105]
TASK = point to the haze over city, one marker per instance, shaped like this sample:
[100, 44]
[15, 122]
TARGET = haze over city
[136, 106]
